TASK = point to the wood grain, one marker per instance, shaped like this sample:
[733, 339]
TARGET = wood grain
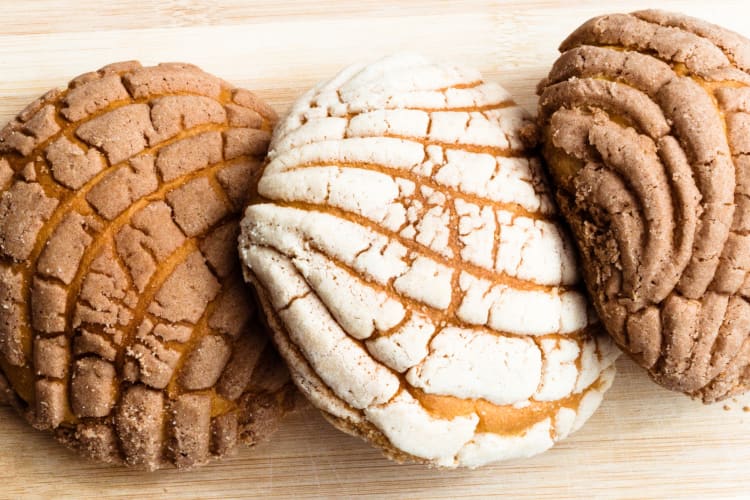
[644, 442]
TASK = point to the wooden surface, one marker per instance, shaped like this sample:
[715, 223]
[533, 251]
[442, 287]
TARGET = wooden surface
[644, 442]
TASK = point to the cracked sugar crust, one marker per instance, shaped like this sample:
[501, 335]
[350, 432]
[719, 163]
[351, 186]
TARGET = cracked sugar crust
[125, 326]
[646, 127]
[409, 262]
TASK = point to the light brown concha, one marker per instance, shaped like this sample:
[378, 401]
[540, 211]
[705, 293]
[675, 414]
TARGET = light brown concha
[125, 327]
[646, 121]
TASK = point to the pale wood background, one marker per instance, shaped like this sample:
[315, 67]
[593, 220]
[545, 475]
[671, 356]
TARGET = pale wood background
[644, 442]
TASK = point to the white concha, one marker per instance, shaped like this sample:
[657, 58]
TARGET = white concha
[412, 269]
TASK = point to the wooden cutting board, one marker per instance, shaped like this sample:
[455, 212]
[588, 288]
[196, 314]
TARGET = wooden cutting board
[644, 442]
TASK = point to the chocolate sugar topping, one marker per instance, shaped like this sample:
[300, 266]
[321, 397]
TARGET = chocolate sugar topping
[646, 125]
[125, 327]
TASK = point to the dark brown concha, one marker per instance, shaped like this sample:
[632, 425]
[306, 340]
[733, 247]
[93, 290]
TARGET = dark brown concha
[646, 123]
[125, 326]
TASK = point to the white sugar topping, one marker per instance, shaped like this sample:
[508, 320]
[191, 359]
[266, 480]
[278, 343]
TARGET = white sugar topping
[407, 244]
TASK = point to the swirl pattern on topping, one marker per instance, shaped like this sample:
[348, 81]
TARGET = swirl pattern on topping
[125, 325]
[405, 250]
[646, 130]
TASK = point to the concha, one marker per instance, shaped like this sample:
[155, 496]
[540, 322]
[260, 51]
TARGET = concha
[646, 126]
[125, 325]
[410, 264]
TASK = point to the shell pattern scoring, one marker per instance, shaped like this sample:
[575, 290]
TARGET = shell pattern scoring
[405, 250]
[124, 323]
[646, 123]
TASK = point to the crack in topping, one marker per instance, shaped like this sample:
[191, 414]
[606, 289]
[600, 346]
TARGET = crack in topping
[124, 324]
[405, 250]
[645, 122]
